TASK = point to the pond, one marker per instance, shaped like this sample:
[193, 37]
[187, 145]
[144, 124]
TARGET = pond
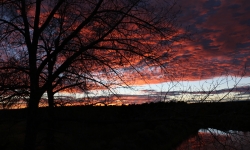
[213, 139]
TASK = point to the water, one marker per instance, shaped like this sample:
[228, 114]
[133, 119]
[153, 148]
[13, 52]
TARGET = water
[213, 139]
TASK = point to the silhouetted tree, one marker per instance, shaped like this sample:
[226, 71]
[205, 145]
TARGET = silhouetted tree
[74, 43]
[14, 84]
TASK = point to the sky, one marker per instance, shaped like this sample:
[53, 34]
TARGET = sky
[213, 65]
[217, 58]
[221, 37]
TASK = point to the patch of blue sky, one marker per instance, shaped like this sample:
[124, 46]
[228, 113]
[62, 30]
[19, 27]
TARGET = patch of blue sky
[215, 89]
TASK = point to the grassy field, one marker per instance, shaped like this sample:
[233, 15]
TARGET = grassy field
[147, 126]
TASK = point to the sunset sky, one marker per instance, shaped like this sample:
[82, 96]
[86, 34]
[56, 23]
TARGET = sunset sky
[218, 55]
[212, 64]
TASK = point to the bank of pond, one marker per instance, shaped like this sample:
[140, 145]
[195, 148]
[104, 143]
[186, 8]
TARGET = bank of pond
[148, 126]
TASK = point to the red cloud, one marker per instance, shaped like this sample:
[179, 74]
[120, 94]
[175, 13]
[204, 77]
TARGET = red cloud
[221, 43]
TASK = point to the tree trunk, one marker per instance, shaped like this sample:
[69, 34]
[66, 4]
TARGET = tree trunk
[32, 123]
[50, 134]
[32, 115]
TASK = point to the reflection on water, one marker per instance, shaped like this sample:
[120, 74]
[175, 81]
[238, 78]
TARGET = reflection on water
[213, 139]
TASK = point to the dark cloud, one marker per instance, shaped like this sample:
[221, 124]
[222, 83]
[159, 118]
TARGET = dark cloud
[211, 4]
[222, 39]
[220, 45]
[169, 93]
[132, 99]
[148, 91]
[240, 90]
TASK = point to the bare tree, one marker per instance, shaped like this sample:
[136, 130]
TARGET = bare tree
[13, 84]
[85, 42]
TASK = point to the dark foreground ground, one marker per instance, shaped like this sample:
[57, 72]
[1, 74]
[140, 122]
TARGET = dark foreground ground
[153, 126]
